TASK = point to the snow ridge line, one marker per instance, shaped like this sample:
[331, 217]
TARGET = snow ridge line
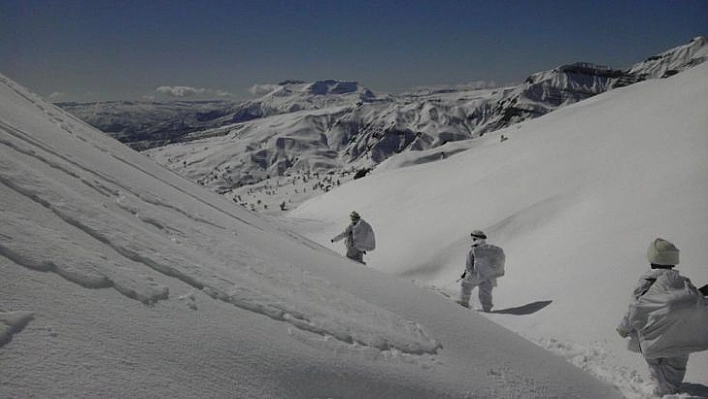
[43, 249]
[20, 135]
[165, 204]
[302, 322]
[81, 278]
[313, 304]
[310, 313]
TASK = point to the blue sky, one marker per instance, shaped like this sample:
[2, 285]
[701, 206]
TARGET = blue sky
[97, 50]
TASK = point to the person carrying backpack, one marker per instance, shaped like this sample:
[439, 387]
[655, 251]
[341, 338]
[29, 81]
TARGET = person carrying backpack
[667, 319]
[485, 262]
[359, 238]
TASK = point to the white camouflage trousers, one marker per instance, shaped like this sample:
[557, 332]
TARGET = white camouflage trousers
[667, 373]
[355, 254]
[484, 293]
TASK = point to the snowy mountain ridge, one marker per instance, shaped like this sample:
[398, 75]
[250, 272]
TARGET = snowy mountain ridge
[341, 140]
[332, 126]
[146, 124]
[673, 61]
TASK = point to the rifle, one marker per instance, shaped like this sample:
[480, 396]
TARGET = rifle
[461, 277]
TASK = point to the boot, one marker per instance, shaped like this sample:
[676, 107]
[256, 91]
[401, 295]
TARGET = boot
[463, 303]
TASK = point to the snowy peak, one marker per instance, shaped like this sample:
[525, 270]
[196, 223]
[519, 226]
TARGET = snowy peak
[333, 87]
[305, 90]
[579, 76]
[545, 91]
[294, 96]
[672, 61]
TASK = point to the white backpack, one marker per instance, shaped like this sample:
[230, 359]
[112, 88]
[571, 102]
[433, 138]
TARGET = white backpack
[489, 260]
[671, 318]
[364, 238]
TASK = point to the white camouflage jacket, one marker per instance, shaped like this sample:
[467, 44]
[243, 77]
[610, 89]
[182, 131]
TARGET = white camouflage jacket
[668, 316]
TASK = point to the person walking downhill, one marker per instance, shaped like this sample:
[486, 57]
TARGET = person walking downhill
[359, 238]
[485, 262]
[667, 319]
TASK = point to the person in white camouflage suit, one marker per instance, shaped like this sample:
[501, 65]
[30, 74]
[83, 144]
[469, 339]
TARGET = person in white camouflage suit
[359, 238]
[667, 319]
[481, 270]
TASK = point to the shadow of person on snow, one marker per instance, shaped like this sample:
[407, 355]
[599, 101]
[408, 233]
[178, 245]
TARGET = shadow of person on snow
[695, 390]
[530, 308]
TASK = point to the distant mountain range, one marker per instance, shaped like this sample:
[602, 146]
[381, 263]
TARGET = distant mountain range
[147, 124]
[332, 125]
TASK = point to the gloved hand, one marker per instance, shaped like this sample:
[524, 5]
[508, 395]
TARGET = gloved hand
[332, 240]
[464, 274]
[622, 333]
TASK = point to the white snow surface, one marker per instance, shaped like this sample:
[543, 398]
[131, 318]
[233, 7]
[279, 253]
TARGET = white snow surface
[574, 198]
[123, 279]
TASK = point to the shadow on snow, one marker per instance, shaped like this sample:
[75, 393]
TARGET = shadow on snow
[530, 308]
[695, 390]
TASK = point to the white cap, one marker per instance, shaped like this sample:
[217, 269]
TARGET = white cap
[662, 252]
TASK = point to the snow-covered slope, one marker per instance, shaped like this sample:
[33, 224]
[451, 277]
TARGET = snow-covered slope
[122, 279]
[574, 198]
